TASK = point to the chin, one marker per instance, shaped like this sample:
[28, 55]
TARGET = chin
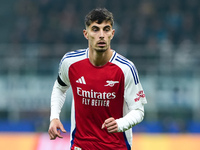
[101, 49]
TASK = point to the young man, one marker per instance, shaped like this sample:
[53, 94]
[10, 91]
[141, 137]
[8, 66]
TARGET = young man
[108, 99]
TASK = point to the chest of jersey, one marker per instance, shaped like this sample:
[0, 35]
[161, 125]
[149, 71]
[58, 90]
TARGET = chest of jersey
[96, 86]
[98, 93]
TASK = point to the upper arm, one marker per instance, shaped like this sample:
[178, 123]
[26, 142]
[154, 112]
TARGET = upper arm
[134, 94]
[63, 78]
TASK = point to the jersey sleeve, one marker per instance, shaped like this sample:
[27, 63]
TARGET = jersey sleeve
[63, 78]
[134, 93]
[134, 100]
[60, 87]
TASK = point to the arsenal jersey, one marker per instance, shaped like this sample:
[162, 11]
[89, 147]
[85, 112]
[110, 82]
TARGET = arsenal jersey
[111, 90]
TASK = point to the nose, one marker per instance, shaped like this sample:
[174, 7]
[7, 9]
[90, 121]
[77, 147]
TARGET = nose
[101, 34]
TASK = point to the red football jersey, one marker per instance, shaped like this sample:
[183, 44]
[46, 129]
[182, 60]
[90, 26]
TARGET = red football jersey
[99, 93]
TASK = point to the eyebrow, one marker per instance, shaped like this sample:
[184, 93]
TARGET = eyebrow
[107, 26]
[94, 26]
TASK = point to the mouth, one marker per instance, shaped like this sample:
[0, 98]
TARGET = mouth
[101, 44]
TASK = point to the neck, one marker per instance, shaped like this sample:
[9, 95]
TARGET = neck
[100, 58]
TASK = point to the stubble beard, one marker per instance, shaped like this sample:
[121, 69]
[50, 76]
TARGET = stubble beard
[101, 50]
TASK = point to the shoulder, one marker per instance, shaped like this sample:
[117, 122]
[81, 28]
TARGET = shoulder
[123, 62]
[127, 66]
[74, 56]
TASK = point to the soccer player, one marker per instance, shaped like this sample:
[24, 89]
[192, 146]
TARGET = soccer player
[108, 99]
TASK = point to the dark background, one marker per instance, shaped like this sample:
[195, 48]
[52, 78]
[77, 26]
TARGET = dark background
[161, 37]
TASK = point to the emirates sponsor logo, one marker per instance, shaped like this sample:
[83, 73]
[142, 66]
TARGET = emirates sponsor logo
[94, 98]
[95, 94]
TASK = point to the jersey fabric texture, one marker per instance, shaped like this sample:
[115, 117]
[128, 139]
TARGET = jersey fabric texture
[111, 90]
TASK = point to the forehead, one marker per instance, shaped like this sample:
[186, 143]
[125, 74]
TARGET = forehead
[101, 25]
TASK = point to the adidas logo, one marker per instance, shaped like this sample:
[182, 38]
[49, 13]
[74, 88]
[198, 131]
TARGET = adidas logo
[81, 80]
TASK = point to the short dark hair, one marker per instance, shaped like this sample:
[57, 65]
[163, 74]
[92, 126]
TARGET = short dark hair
[99, 15]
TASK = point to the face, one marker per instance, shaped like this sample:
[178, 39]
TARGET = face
[99, 36]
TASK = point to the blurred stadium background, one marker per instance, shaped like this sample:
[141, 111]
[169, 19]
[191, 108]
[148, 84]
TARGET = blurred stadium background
[161, 37]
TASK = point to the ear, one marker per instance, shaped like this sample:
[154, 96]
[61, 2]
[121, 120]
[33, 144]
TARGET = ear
[113, 33]
[85, 33]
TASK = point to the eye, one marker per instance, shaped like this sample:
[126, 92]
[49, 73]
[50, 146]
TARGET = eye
[94, 29]
[107, 29]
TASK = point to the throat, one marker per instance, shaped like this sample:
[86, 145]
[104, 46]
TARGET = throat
[100, 58]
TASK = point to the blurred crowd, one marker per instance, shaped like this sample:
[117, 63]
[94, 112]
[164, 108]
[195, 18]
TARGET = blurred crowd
[162, 36]
[167, 31]
[136, 22]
